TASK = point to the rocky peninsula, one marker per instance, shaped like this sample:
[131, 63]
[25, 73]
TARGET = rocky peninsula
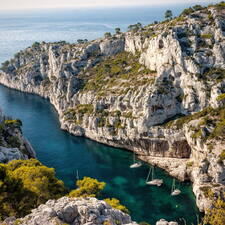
[157, 90]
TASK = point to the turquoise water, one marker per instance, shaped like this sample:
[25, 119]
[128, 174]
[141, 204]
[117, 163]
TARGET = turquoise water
[66, 153]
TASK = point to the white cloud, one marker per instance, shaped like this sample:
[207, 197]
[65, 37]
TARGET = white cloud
[15, 4]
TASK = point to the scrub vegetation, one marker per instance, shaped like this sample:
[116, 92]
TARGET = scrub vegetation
[25, 184]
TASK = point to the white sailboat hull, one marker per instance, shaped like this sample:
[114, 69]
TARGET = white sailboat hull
[155, 182]
[135, 165]
[176, 192]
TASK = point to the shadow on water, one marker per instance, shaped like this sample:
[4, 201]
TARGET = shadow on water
[67, 153]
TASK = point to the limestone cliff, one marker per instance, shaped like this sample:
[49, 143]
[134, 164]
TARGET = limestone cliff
[12, 143]
[157, 90]
[87, 211]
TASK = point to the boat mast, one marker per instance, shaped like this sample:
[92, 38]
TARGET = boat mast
[77, 175]
[173, 185]
[152, 172]
[148, 174]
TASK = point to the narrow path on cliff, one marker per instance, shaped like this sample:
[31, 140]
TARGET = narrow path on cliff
[66, 153]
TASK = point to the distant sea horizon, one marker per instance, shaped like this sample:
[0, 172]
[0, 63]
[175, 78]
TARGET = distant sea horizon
[20, 28]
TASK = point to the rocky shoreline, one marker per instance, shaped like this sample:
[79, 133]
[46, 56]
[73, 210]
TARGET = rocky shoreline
[129, 90]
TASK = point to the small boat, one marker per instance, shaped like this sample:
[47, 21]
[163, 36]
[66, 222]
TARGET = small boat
[174, 191]
[135, 164]
[153, 182]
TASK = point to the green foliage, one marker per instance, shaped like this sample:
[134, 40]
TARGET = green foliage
[117, 30]
[168, 14]
[82, 41]
[15, 123]
[220, 5]
[216, 214]
[221, 97]
[13, 142]
[25, 184]
[214, 74]
[5, 65]
[197, 7]
[108, 35]
[207, 191]
[115, 203]
[187, 11]
[117, 75]
[135, 27]
[190, 164]
[222, 155]
[36, 45]
[206, 36]
[215, 117]
[87, 187]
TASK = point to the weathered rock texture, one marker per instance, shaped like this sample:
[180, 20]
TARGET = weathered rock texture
[123, 90]
[12, 143]
[77, 211]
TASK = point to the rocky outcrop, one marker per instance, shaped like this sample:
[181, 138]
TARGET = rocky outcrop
[13, 145]
[124, 90]
[74, 211]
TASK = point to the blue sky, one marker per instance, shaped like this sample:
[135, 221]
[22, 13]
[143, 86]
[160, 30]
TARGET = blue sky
[23, 4]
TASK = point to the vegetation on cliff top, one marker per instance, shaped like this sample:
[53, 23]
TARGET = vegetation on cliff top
[25, 184]
[7, 139]
[117, 75]
[209, 117]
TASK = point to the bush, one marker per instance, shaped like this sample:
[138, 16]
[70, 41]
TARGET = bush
[87, 187]
[187, 11]
[206, 36]
[16, 123]
[108, 35]
[13, 142]
[25, 184]
[221, 97]
[115, 203]
[216, 214]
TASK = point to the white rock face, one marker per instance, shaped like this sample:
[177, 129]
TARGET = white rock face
[9, 154]
[186, 58]
[75, 211]
[9, 134]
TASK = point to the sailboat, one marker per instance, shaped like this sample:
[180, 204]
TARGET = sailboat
[174, 191]
[155, 182]
[135, 164]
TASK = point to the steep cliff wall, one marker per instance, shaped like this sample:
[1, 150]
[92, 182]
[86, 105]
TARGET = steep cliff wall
[130, 89]
[12, 143]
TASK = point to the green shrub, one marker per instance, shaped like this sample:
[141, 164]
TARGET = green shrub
[17, 123]
[206, 36]
[221, 97]
[115, 203]
[13, 142]
[216, 214]
[87, 187]
[222, 155]
[25, 184]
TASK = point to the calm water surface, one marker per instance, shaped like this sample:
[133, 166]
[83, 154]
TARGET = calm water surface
[66, 153]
